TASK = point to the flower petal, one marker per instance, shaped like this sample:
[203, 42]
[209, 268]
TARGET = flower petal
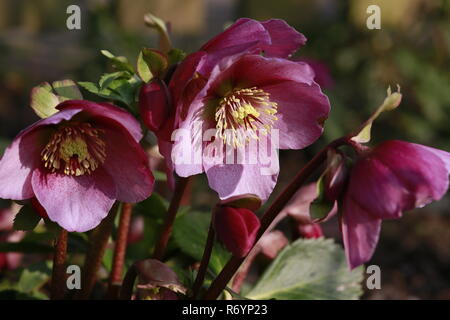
[105, 111]
[230, 180]
[128, 166]
[301, 113]
[243, 36]
[17, 163]
[360, 233]
[77, 204]
[285, 39]
[421, 170]
[376, 189]
[23, 155]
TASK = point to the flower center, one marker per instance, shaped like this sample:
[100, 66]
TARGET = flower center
[75, 149]
[241, 113]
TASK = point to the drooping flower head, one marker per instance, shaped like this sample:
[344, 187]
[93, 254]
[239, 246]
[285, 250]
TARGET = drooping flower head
[77, 162]
[394, 177]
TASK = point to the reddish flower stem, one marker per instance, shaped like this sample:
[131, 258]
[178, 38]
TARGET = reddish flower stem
[120, 250]
[98, 242]
[205, 260]
[219, 284]
[58, 285]
[170, 218]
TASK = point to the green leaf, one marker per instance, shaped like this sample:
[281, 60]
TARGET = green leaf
[176, 55]
[119, 63]
[31, 280]
[43, 100]
[309, 269]
[26, 219]
[159, 175]
[67, 90]
[143, 69]
[107, 78]
[122, 90]
[154, 206]
[190, 232]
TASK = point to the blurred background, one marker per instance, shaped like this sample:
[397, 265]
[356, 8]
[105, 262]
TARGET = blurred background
[354, 65]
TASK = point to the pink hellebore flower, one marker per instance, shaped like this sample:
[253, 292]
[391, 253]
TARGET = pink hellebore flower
[77, 162]
[395, 176]
[248, 100]
[274, 38]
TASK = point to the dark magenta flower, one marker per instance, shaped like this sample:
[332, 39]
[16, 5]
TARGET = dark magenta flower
[77, 162]
[236, 228]
[394, 177]
[248, 100]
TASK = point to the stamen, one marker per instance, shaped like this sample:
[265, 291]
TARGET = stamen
[243, 112]
[75, 149]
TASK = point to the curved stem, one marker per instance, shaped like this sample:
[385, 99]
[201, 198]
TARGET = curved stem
[58, 284]
[205, 259]
[120, 250]
[98, 242]
[234, 263]
[170, 218]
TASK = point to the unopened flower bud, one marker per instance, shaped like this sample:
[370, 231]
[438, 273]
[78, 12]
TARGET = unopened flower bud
[153, 104]
[310, 231]
[236, 228]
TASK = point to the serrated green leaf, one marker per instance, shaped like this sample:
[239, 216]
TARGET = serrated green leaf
[67, 90]
[89, 86]
[190, 233]
[43, 100]
[309, 269]
[107, 78]
[119, 63]
[26, 219]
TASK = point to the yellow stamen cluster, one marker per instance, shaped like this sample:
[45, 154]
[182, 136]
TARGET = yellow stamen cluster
[74, 149]
[241, 113]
